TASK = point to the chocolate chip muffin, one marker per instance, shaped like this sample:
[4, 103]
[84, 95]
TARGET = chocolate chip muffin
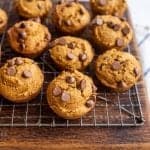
[70, 17]
[3, 20]
[118, 70]
[111, 32]
[20, 80]
[71, 52]
[70, 95]
[109, 7]
[33, 8]
[29, 38]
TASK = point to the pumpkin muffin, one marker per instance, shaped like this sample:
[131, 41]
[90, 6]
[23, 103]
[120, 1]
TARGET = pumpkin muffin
[109, 7]
[111, 32]
[70, 17]
[20, 80]
[3, 20]
[71, 52]
[29, 38]
[118, 70]
[70, 95]
[33, 8]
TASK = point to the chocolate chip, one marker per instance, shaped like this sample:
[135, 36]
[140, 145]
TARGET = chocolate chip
[71, 45]
[110, 24]
[22, 25]
[61, 41]
[47, 37]
[22, 46]
[70, 56]
[119, 42]
[68, 22]
[65, 96]
[94, 88]
[11, 71]
[81, 12]
[10, 62]
[18, 61]
[39, 6]
[70, 79]
[116, 65]
[27, 74]
[116, 27]
[122, 84]
[136, 71]
[83, 84]
[22, 35]
[1, 21]
[125, 31]
[123, 19]
[90, 103]
[102, 2]
[83, 57]
[57, 91]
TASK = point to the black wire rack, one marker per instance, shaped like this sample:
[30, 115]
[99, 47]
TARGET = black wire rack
[112, 109]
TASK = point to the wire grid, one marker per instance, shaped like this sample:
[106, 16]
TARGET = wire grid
[112, 109]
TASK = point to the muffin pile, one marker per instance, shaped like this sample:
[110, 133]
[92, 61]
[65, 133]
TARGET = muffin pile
[72, 93]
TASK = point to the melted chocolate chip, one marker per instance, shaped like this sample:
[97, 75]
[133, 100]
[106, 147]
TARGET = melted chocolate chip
[39, 6]
[71, 45]
[83, 84]
[27, 74]
[65, 96]
[70, 79]
[83, 57]
[22, 35]
[18, 61]
[68, 22]
[11, 62]
[22, 46]
[70, 56]
[57, 91]
[116, 65]
[102, 2]
[11, 71]
[119, 42]
[1, 21]
[81, 12]
[61, 41]
[110, 24]
[22, 25]
[90, 103]
[125, 31]
[116, 27]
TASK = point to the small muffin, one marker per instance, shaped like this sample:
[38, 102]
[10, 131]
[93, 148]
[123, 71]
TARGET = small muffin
[20, 80]
[118, 70]
[71, 52]
[33, 8]
[109, 7]
[111, 32]
[70, 17]
[70, 95]
[29, 38]
[3, 20]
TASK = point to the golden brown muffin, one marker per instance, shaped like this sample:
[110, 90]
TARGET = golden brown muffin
[71, 52]
[3, 20]
[111, 32]
[70, 95]
[20, 80]
[29, 38]
[117, 70]
[109, 7]
[70, 17]
[33, 8]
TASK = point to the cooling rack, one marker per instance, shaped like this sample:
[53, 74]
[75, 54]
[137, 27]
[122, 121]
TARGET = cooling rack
[112, 109]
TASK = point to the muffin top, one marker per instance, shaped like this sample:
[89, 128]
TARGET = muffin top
[29, 38]
[70, 95]
[33, 8]
[111, 32]
[20, 79]
[70, 17]
[118, 70]
[109, 7]
[3, 20]
[71, 52]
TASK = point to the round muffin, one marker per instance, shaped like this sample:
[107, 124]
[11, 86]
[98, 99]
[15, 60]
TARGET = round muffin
[33, 8]
[118, 70]
[29, 38]
[111, 32]
[71, 95]
[71, 52]
[70, 17]
[20, 80]
[109, 7]
[3, 20]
